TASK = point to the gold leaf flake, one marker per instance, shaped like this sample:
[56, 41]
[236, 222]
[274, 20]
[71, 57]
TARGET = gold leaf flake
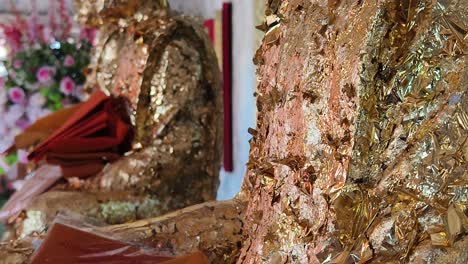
[272, 19]
[462, 119]
[366, 252]
[439, 239]
[341, 259]
[273, 34]
[454, 223]
[294, 162]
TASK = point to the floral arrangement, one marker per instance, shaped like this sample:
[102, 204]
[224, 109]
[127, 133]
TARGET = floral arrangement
[44, 72]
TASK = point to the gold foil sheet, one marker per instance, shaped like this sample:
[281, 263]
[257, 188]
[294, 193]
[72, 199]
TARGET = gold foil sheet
[163, 62]
[361, 127]
[411, 138]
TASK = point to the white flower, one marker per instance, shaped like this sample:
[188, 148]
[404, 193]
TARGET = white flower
[7, 141]
[45, 112]
[37, 100]
[22, 156]
[3, 127]
[14, 113]
[31, 86]
[33, 113]
[18, 184]
[3, 98]
[48, 35]
[4, 143]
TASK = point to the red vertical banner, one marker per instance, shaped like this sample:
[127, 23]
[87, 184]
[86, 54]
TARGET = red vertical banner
[227, 84]
[209, 24]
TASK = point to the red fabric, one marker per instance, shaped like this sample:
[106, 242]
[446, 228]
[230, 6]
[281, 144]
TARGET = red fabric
[227, 84]
[98, 132]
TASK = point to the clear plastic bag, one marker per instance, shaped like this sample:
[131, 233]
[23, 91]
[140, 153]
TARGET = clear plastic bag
[38, 182]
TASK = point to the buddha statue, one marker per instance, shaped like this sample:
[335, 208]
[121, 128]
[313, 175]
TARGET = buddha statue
[164, 64]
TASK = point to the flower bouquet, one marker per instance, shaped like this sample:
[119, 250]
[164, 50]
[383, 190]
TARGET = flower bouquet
[44, 74]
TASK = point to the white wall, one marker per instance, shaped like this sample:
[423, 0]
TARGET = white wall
[25, 5]
[243, 101]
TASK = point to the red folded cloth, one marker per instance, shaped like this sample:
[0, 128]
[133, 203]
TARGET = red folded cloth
[98, 132]
[68, 244]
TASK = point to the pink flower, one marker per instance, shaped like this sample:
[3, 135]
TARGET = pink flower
[2, 82]
[45, 74]
[65, 18]
[12, 74]
[67, 86]
[22, 123]
[68, 61]
[33, 23]
[88, 34]
[17, 64]
[48, 34]
[13, 35]
[17, 95]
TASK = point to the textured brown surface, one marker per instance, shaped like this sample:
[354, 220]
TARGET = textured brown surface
[358, 101]
[213, 228]
[360, 149]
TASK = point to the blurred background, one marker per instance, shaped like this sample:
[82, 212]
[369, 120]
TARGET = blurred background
[244, 39]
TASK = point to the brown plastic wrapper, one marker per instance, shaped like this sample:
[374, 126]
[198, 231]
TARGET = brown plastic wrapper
[70, 240]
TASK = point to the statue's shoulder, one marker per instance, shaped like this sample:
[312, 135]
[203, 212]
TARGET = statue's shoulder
[161, 30]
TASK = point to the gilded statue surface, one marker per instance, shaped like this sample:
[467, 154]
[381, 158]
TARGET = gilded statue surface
[360, 150]
[164, 64]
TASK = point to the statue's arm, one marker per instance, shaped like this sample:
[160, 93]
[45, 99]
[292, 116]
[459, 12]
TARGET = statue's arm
[174, 82]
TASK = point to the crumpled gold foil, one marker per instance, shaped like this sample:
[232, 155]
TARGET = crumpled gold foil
[165, 64]
[412, 136]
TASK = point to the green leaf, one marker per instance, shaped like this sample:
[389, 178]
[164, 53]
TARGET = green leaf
[54, 97]
[44, 92]
[11, 159]
[57, 106]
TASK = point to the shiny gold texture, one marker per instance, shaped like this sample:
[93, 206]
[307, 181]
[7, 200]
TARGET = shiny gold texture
[163, 62]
